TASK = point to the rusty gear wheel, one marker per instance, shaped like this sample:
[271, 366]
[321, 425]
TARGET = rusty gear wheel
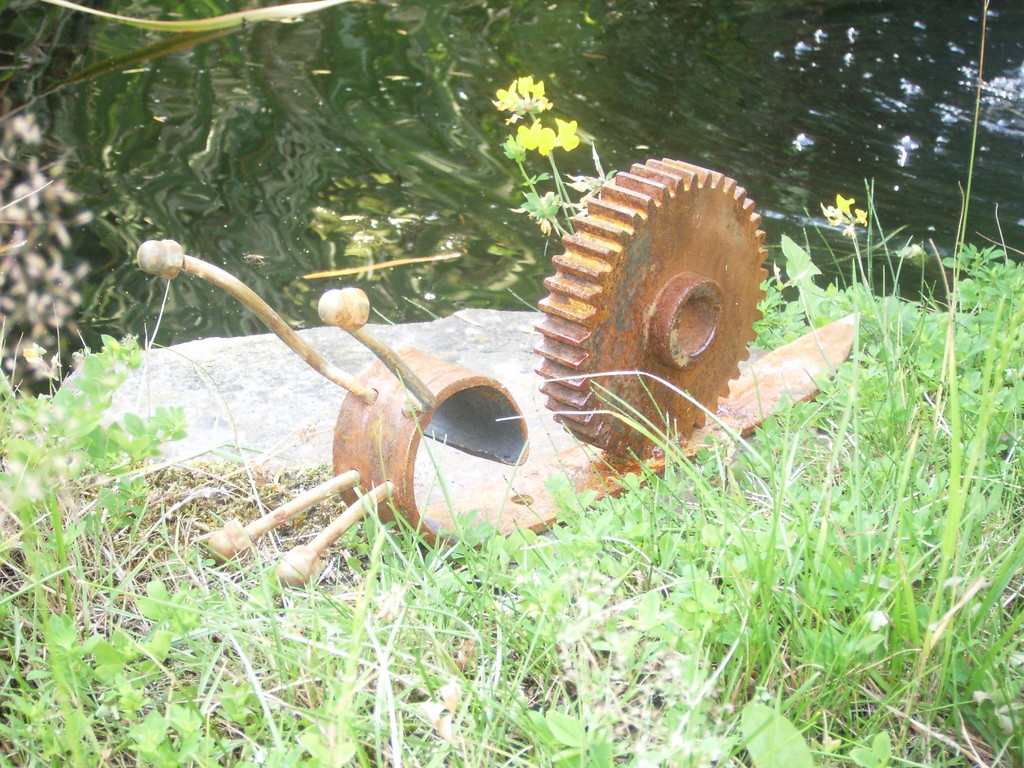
[663, 276]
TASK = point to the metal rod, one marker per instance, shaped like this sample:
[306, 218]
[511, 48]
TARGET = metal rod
[233, 538]
[397, 366]
[365, 503]
[166, 258]
[273, 321]
[300, 563]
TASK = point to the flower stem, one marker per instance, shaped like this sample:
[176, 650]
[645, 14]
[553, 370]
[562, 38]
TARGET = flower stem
[527, 177]
[553, 220]
[563, 195]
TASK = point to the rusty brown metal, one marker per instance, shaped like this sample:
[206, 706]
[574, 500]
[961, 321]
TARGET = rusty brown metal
[784, 376]
[649, 314]
[471, 412]
[662, 276]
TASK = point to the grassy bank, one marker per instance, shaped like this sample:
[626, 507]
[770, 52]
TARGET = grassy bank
[843, 588]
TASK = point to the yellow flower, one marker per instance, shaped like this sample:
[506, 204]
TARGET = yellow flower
[843, 204]
[537, 137]
[842, 214]
[528, 88]
[833, 214]
[33, 354]
[522, 97]
[507, 100]
[567, 138]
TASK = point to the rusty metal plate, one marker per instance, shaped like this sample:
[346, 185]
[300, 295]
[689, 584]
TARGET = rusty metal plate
[784, 376]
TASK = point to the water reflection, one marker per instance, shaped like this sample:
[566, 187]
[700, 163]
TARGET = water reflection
[366, 133]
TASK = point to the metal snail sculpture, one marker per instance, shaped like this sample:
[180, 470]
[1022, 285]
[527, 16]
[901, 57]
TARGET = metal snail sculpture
[649, 313]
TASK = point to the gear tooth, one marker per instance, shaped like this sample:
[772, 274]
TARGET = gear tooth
[575, 311]
[584, 426]
[672, 168]
[563, 330]
[600, 229]
[625, 216]
[641, 204]
[710, 180]
[694, 175]
[572, 287]
[591, 247]
[569, 355]
[679, 166]
[733, 374]
[653, 189]
[566, 396]
[582, 265]
[627, 198]
[670, 180]
[548, 369]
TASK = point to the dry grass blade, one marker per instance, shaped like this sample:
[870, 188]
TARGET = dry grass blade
[226, 21]
[926, 730]
[382, 265]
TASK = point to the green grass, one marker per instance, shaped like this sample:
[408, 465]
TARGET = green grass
[852, 572]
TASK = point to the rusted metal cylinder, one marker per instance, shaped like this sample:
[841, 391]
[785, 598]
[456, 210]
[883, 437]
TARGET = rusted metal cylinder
[472, 413]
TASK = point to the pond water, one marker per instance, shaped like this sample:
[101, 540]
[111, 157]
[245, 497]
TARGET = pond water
[367, 133]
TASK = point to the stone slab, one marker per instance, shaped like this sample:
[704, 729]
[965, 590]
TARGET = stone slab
[252, 397]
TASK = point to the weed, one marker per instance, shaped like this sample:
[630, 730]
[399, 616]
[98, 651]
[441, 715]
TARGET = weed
[37, 292]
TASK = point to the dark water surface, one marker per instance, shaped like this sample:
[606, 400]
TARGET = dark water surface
[367, 133]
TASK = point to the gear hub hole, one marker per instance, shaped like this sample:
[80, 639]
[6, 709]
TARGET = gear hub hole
[685, 319]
